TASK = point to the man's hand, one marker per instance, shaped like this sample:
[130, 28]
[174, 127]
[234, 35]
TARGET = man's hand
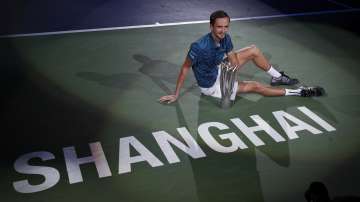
[234, 63]
[168, 99]
[227, 66]
[234, 67]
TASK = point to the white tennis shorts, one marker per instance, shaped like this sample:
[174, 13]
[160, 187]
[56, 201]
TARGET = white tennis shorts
[215, 90]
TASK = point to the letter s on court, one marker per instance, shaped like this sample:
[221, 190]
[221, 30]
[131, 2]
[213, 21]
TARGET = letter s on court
[22, 166]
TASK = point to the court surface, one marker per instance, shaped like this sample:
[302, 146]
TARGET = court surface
[63, 92]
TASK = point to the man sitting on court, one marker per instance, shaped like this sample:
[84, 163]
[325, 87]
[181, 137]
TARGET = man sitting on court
[209, 51]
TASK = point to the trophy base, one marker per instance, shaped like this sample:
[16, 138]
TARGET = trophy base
[225, 103]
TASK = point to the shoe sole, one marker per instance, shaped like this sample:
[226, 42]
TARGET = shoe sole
[280, 84]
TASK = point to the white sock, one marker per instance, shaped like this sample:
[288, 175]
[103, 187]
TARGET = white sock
[273, 72]
[292, 92]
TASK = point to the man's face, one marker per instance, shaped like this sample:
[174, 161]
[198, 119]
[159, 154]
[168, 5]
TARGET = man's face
[220, 27]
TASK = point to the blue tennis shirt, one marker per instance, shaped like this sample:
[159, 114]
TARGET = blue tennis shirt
[205, 56]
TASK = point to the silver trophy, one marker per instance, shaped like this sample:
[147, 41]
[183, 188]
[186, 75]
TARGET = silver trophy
[228, 77]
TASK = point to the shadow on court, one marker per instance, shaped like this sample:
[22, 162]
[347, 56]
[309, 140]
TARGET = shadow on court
[160, 71]
[235, 176]
[120, 81]
[318, 192]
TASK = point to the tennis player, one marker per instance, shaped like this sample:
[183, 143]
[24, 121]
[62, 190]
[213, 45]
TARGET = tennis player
[206, 54]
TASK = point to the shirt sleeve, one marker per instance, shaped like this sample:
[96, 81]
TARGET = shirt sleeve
[194, 53]
[228, 44]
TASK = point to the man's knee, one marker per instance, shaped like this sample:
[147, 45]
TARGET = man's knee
[251, 86]
[256, 86]
[248, 53]
[255, 51]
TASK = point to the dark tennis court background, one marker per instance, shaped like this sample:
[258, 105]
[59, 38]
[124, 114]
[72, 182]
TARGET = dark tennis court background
[74, 89]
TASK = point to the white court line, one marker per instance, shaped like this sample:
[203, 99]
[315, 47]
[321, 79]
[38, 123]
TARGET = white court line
[340, 4]
[179, 23]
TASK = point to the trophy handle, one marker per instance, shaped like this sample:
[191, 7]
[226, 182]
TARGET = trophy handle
[227, 81]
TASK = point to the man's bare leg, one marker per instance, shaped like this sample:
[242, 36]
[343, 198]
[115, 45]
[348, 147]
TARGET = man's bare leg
[254, 54]
[256, 87]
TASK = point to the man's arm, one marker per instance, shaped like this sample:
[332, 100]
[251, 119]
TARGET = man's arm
[180, 81]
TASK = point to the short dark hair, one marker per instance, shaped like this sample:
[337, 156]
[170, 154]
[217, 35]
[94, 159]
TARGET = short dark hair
[317, 192]
[218, 14]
